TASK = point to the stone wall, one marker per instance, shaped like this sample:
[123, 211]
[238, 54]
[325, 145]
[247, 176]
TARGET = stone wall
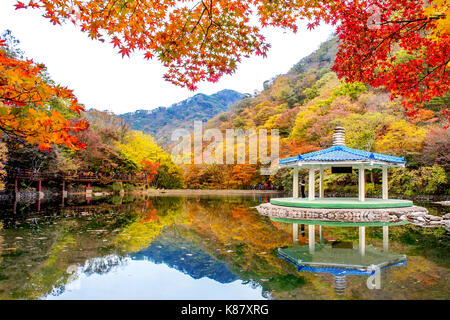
[415, 215]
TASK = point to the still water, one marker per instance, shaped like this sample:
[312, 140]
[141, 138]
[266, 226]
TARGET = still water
[203, 248]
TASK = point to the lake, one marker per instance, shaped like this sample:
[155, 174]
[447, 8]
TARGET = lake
[203, 247]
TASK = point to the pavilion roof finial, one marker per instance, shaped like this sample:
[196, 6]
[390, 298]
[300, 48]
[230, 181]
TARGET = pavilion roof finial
[339, 136]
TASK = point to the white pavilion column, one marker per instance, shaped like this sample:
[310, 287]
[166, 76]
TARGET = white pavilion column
[385, 238]
[320, 234]
[312, 185]
[311, 237]
[361, 184]
[295, 233]
[295, 183]
[362, 241]
[385, 183]
[321, 193]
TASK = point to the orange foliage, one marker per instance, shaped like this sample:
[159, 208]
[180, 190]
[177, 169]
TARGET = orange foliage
[242, 175]
[298, 146]
[25, 109]
[150, 168]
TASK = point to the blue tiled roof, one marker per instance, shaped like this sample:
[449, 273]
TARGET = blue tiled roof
[340, 271]
[341, 153]
[345, 271]
[287, 160]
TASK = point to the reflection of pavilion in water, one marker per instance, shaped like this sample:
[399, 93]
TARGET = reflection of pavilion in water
[340, 258]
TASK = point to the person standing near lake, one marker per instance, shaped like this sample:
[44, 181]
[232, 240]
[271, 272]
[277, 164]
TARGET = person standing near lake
[302, 188]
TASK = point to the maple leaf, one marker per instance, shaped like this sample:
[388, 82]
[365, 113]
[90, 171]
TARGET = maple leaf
[125, 52]
[148, 55]
[20, 5]
[44, 146]
[116, 42]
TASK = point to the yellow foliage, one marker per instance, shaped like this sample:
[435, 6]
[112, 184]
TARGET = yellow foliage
[401, 137]
[439, 8]
[139, 146]
[144, 229]
[304, 120]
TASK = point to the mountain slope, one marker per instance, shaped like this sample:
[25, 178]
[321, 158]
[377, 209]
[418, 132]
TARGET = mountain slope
[305, 105]
[161, 122]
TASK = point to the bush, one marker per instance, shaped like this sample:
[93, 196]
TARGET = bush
[129, 187]
[425, 180]
[115, 186]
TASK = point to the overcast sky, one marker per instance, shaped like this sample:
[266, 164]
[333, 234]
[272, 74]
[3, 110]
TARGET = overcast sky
[101, 79]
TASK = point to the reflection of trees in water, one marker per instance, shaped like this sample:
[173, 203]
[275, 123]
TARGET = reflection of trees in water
[103, 265]
[232, 233]
[255, 284]
[37, 265]
[149, 223]
[58, 290]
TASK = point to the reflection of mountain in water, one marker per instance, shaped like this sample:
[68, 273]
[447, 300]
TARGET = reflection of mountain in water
[180, 254]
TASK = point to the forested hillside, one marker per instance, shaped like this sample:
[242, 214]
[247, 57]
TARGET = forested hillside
[111, 147]
[309, 101]
[161, 122]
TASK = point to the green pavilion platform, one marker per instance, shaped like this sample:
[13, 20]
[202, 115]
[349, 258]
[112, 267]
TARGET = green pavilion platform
[338, 159]
[343, 203]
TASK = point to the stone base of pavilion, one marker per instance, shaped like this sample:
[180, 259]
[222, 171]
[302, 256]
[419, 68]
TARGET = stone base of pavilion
[341, 203]
[393, 214]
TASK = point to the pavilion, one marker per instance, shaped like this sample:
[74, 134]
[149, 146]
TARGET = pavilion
[340, 159]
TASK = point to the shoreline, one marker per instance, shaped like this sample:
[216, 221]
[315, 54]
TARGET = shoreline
[208, 192]
[442, 200]
[34, 195]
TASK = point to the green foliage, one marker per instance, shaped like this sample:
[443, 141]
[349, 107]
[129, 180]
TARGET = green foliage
[353, 89]
[436, 103]
[115, 186]
[362, 129]
[169, 177]
[321, 58]
[130, 187]
[425, 180]
[239, 122]
[311, 93]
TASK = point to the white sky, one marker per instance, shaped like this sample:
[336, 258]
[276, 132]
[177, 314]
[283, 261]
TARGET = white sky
[101, 79]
